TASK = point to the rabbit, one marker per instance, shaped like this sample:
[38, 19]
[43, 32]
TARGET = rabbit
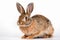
[37, 26]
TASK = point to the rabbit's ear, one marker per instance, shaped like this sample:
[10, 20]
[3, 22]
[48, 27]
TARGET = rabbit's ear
[29, 8]
[20, 8]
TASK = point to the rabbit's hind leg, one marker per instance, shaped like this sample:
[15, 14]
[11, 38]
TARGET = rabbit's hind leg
[44, 36]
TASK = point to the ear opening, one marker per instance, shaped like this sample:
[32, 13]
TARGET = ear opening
[20, 8]
[29, 8]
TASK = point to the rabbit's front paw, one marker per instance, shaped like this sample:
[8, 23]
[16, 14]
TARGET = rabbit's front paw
[29, 37]
[24, 36]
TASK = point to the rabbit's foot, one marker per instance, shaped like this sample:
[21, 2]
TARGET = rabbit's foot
[24, 36]
[30, 37]
[47, 36]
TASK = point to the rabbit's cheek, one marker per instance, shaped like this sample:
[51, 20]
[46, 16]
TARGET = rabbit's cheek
[21, 23]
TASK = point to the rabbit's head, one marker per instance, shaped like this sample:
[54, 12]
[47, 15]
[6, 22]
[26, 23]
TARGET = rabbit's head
[24, 18]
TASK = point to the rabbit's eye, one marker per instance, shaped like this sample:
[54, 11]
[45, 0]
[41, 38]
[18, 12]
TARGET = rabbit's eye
[26, 17]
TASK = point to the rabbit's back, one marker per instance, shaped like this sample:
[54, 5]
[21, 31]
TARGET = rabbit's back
[42, 21]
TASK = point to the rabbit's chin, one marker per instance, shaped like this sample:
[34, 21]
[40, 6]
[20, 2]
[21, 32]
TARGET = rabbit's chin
[24, 25]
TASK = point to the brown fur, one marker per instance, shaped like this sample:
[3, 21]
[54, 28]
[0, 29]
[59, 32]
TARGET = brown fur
[31, 31]
[35, 26]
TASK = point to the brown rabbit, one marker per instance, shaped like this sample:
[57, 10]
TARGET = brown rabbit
[33, 27]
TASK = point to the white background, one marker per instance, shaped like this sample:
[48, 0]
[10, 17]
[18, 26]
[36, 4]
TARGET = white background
[9, 16]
